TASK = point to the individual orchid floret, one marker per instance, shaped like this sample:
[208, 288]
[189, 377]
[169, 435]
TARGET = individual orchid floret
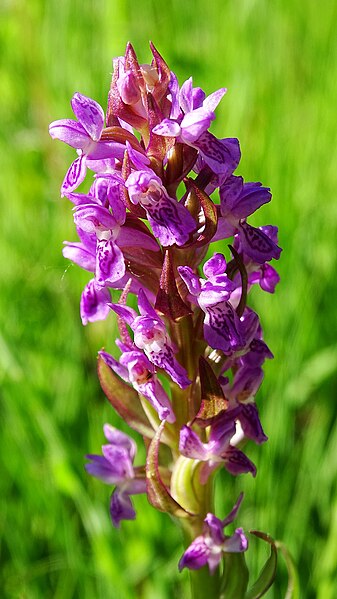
[222, 326]
[150, 335]
[238, 201]
[135, 368]
[266, 276]
[84, 135]
[171, 222]
[209, 547]
[103, 231]
[115, 467]
[218, 450]
[190, 126]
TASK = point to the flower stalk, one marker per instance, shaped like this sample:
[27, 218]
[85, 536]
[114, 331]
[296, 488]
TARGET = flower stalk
[191, 350]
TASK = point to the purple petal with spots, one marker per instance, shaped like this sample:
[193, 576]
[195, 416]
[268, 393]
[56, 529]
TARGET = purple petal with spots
[222, 328]
[171, 222]
[93, 218]
[110, 265]
[257, 245]
[215, 265]
[190, 444]
[251, 424]
[89, 113]
[221, 155]
[94, 303]
[236, 462]
[167, 128]
[166, 360]
[190, 279]
[252, 197]
[74, 176]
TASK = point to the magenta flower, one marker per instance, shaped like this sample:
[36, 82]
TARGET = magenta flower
[150, 335]
[209, 547]
[115, 467]
[84, 135]
[171, 222]
[218, 449]
[135, 368]
[222, 326]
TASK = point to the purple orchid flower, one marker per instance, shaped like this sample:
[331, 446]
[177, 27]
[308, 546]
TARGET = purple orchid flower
[190, 124]
[135, 368]
[218, 450]
[209, 547]
[100, 221]
[84, 135]
[238, 201]
[151, 337]
[223, 328]
[115, 467]
[171, 222]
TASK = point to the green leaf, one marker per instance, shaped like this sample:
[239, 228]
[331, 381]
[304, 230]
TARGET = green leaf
[293, 589]
[268, 572]
[157, 492]
[235, 576]
[124, 399]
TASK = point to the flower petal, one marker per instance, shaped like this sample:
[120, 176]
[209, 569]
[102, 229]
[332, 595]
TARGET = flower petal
[75, 175]
[90, 114]
[94, 303]
[110, 265]
[196, 555]
[190, 444]
[222, 328]
[257, 245]
[171, 222]
[70, 132]
[121, 508]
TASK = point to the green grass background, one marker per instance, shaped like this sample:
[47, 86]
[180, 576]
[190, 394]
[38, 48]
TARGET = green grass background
[279, 62]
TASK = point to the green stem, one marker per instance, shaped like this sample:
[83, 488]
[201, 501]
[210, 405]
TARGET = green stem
[205, 585]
